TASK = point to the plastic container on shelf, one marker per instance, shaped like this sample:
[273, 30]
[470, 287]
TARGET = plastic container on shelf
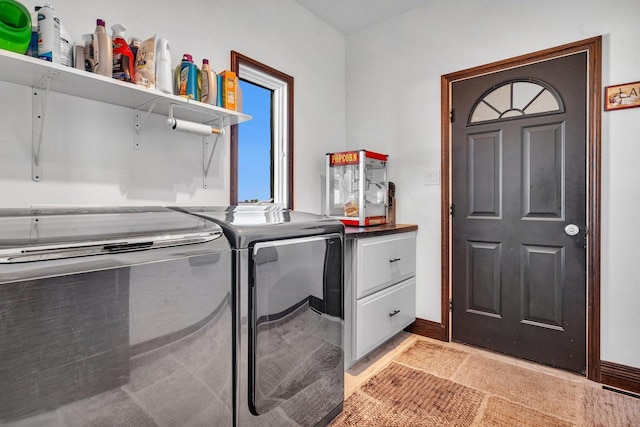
[209, 89]
[89, 57]
[66, 46]
[187, 78]
[15, 26]
[32, 50]
[134, 44]
[164, 72]
[123, 59]
[102, 50]
[48, 34]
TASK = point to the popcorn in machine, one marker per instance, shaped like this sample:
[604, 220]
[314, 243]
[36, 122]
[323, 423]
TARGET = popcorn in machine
[357, 187]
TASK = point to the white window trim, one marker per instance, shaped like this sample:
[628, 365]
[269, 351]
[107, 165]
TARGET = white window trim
[280, 129]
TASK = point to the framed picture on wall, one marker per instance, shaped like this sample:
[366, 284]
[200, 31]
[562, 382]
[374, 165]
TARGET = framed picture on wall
[626, 95]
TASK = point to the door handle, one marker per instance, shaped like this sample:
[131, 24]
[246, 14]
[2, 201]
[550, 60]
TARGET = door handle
[571, 229]
[394, 313]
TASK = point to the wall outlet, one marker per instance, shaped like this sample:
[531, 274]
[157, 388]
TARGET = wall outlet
[432, 177]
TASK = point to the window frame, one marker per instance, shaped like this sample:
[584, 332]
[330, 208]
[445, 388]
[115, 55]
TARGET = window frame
[282, 126]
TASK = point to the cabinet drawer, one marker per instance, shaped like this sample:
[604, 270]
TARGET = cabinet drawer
[384, 261]
[382, 315]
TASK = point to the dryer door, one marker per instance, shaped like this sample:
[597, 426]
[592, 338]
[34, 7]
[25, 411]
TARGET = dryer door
[295, 344]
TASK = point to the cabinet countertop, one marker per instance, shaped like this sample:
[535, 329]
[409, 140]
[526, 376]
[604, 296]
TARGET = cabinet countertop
[352, 232]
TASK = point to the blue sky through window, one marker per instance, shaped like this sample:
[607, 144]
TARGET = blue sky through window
[254, 145]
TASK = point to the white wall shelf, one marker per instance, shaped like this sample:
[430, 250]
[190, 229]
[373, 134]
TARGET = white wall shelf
[27, 71]
[44, 77]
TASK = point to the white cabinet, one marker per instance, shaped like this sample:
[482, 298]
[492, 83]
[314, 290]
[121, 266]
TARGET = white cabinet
[380, 290]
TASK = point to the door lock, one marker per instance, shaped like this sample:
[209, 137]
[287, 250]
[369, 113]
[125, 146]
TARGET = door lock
[571, 229]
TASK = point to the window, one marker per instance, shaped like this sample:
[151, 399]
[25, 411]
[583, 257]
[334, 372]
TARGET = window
[516, 99]
[262, 148]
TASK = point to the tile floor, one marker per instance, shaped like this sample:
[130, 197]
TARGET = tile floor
[359, 373]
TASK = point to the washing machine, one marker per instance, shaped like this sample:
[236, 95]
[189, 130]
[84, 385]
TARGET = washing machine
[118, 316]
[288, 275]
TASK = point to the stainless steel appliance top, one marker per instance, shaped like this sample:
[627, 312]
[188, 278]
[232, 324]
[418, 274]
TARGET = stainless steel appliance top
[50, 234]
[244, 224]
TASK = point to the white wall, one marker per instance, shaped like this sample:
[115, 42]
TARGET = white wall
[88, 147]
[393, 105]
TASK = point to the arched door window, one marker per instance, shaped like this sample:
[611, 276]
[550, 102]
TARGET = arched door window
[515, 99]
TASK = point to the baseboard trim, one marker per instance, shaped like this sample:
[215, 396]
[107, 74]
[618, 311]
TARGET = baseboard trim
[620, 376]
[428, 329]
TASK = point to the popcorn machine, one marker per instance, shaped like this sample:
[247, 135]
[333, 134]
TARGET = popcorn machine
[357, 187]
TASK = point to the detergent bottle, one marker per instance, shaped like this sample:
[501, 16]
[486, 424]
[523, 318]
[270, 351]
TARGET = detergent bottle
[123, 60]
[209, 90]
[187, 78]
[102, 51]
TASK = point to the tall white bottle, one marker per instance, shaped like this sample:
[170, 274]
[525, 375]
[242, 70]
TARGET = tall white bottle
[102, 50]
[164, 72]
[48, 34]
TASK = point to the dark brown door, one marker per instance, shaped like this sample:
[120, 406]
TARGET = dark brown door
[519, 200]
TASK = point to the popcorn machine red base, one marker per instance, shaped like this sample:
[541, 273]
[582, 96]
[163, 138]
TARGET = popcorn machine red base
[357, 187]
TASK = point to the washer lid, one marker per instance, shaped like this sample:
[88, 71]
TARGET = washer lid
[45, 234]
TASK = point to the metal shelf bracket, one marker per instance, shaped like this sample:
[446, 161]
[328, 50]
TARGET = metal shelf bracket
[39, 98]
[140, 118]
[205, 130]
[207, 155]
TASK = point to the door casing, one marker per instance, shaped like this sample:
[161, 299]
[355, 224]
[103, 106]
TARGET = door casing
[593, 47]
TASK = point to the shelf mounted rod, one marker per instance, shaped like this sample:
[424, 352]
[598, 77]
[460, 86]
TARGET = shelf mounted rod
[204, 130]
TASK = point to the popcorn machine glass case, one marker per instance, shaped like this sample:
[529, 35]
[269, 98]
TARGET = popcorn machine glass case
[357, 187]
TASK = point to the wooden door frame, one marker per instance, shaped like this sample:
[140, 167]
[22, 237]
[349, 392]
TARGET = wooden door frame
[593, 47]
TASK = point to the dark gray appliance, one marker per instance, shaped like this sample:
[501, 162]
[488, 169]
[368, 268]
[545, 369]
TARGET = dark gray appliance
[114, 317]
[288, 272]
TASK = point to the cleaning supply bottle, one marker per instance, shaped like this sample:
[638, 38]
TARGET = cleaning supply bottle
[123, 59]
[33, 44]
[209, 91]
[187, 78]
[48, 34]
[134, 44]
[102, 51]
[164, 74]
[89, 54]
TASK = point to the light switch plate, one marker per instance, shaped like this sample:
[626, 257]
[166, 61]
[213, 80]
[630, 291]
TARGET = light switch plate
[432, 177]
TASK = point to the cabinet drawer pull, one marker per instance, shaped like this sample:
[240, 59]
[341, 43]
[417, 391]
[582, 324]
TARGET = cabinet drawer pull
[394, 313]
[394, 260]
